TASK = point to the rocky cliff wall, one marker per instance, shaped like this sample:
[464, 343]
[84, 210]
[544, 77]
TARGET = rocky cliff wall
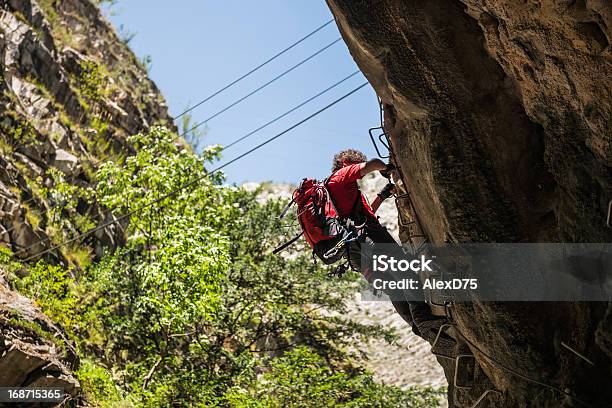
[498, 115]
[70, 93]
[33, 351]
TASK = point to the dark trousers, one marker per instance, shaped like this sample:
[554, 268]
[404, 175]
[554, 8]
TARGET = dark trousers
[413, 312]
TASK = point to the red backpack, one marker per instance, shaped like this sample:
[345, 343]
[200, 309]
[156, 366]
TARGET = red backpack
[321, 226]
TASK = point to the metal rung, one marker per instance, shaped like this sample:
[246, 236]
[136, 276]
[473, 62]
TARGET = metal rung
[421, 246]
[402, 223]
[385, 142]
[447, 310]
[483, 396]
[433, 345]
[407, 197]
[447, 301]
[462, 369]
[370, 131]
[446, 307]
[404, 197]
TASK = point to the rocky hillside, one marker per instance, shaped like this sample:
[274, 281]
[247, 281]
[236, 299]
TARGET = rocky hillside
[70, 93]
[33, 351]
[498, 114]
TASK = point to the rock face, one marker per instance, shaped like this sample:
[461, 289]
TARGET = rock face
[498, 114]
[70, 93]
[33, 352]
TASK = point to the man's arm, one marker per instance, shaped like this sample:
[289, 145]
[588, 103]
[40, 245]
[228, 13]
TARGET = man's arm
[372, 165]
[376, 203]
[385, 193]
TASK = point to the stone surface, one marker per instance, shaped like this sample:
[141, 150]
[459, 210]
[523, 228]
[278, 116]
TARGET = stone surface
[33, 352]
[71, 92]
[65, 162]
[498, 115]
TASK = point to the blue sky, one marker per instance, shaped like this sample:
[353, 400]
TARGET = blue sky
[197, 47]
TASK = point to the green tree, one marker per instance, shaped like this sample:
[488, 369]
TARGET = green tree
[302, 378]
[195, 310]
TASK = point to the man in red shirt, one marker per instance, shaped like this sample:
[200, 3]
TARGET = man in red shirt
[348, 167]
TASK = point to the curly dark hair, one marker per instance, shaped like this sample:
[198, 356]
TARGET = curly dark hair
[348, 155]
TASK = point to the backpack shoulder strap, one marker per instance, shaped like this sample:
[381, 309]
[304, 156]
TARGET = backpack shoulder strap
[329, 196]
[357, 200]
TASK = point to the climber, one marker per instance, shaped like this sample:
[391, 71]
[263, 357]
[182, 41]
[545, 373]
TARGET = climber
[349, 166]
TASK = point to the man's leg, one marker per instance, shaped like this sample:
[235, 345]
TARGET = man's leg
[381, 235]
[416, 313]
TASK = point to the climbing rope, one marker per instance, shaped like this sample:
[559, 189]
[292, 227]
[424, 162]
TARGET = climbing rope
[186, 185]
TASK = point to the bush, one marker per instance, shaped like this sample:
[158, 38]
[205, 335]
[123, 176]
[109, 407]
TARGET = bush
[302, 378]
[196, 311]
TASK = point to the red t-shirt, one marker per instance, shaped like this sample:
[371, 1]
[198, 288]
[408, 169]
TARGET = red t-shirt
[344, 190]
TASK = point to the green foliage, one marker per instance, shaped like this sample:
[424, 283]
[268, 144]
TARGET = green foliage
[302, 378]
[100, 387]
[48, 7]
[195, 310]
[7, 262]
[124, 34]
[53, 291]
[21, 17]
[193, 136]
[146, 63]
[100, 144]
[5, 148]
[16, 130]
[32, 327]
[77, 256]
[64, 218]
[60, 31]
[91, 80]
[32, 217]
